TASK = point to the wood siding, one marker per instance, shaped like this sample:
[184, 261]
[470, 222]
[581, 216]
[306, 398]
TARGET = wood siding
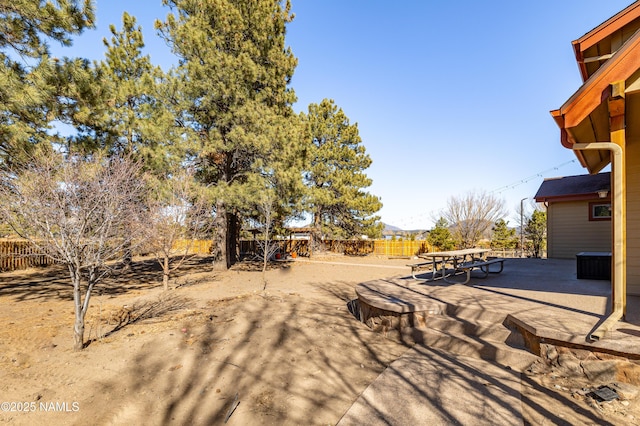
[570, 231]
[633, 215]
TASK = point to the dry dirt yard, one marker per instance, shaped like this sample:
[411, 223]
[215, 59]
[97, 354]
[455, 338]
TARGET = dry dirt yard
[289, 353]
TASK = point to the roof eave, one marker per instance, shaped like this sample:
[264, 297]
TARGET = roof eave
[596, 90]
[605, 29]
[577, 197]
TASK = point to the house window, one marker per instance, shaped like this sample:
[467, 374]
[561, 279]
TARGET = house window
[599, 211]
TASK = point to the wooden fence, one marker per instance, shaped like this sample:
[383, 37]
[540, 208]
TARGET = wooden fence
[20, 254]
[402, 248]
[349, 247]
[193, 246]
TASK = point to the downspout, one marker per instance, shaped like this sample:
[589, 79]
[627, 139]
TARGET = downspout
[618, 283]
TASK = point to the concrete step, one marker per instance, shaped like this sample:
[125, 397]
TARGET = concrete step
[487, 331]
[475, 312]
[502, 353]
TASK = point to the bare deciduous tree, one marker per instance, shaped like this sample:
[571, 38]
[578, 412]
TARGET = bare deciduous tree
[178, 215]
[267, 210]
[523, 211]
[471, 214]
[80, 212]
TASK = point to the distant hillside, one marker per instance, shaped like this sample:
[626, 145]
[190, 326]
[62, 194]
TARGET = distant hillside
[391, 231]
[390, 228]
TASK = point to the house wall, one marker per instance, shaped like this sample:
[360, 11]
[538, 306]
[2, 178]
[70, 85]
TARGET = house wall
[633, 214]
[570, 231]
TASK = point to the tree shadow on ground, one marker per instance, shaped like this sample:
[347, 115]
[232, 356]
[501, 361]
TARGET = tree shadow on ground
[291, 359]
[433, 385]
[54, 282]
[142, 310]
[282, 355]
[250, 265]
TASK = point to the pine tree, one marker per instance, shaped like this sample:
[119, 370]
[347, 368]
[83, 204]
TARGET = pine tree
[235, 71]
[139, 121]
[503, 237]
[339, 204]
[440, 236]
[27, 104]
[120, 105]
[536, 231]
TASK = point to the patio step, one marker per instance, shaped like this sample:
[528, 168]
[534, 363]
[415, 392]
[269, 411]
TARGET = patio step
[473, 312]
[489, 331]
[510, 355]
[466, 323]
[465, 334]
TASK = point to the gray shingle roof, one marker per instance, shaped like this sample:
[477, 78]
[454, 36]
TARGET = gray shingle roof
[568, 186]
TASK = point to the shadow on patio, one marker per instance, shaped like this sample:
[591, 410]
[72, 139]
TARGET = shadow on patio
[467, 368]
[543, 296]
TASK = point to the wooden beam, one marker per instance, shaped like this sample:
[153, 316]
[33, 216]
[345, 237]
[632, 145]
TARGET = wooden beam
[617, 89]
[616, 104]
[633, 86]
[598, 58]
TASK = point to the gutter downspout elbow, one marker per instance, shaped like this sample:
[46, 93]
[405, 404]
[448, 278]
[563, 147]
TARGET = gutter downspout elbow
[618, 280]
[606, 325]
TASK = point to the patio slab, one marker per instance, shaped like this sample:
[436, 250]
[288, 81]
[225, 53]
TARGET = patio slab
[428, 385]
[543, 296]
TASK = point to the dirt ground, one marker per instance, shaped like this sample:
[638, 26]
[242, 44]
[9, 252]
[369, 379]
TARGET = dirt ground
[219, 346]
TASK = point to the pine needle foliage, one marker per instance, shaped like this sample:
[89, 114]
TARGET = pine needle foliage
[335, 176]
[27, 100]
[235, 70]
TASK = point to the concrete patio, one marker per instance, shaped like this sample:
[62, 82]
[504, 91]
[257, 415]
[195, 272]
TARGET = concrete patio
[541, 295]
[474, 345]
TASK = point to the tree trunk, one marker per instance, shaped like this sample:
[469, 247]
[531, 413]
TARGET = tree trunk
[78, 325]
[78, 333]
[165, 273]
[127, 257]
[220, 255]
[233, 234]
[316, 233]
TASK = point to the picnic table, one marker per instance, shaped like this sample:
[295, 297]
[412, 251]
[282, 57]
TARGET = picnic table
[464, 261]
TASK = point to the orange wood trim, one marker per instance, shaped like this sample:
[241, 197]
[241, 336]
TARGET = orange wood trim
[565, 139]
[580, 59]
[608, 27]
[598, 87]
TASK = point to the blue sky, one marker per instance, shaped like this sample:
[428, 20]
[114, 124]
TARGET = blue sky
[449, 97]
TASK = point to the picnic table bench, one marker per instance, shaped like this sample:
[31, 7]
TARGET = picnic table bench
[484, 266]
[432, 265]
